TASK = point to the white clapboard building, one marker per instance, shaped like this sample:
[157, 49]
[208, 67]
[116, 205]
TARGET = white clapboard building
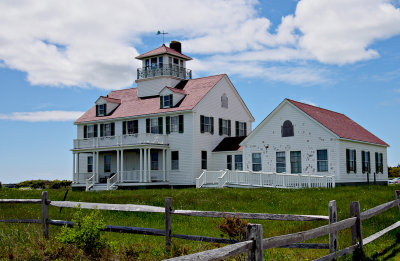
[161, 133]
[300, 145]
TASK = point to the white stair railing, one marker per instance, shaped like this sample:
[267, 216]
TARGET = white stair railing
[223, 178]
[201, 179]
[90, 182]
[111, 181]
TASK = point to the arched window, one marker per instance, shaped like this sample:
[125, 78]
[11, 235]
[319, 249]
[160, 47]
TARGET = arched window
[224, 101]
[287, 129]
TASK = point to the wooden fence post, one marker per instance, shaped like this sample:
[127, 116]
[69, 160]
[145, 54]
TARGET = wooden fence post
[168, 205]
[356, 229]
[45, 215]
[255, 233]
[333, 244]
[397, 193]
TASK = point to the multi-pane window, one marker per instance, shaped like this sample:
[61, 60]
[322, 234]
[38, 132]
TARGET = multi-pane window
[241, 129]
[280, 162]
[351, 161]
[238, 162]
[90, 131]
[322, 160]
[204, 160]
[107, 129]
[174, 123]
[295, 161]
[229, 162]
[107, 163]
[130, 127]
[365, 161]
[90, 164]
[256, 161]
[166, 101]
[101, 110]
[174, 160]
[224, 127]
[154, 125]
[154, 161]
[378, 162]
[224, 101]
[206, 124]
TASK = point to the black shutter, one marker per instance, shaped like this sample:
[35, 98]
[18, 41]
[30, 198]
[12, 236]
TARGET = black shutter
[161, 102]
[147, 125]
[229, 128]
[160, 125]
[245, 129]
[105, 109]
[95, 130]
[220, 126]
[355, 161]
[181, 124]
[369, 162]
[237, 128]
[348, 160]
[381, 167]
[85, 132]
[112, 129]
[135, 126]
[97, 110]
[212, 125]
[167, 125]
[101, 130]
[202, 123]
[171, 101]
[124, 123]
[376, 162]
[363, 161]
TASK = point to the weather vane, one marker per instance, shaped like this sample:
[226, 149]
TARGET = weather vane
[163, 33]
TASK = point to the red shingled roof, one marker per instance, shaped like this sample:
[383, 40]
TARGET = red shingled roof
[338, 123]
[163, 49]
[111, 99]
[176, 90]
[132, 105]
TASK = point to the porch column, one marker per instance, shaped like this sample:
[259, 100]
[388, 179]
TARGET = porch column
[141, 164]
[145, 165]
[97, 167]
[74, 179]
[164, 164]
[94, 163]
[122, 165]
[77, 168]
[148, 165]
[118, 173]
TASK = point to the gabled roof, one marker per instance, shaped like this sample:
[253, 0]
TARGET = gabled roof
[338, 123]
[161, 50]
[176, 90]
[132, 105]
[230, 144]
[112, 100]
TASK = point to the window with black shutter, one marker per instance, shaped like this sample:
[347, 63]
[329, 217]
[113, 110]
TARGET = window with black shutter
[206, 124]
[130, 127]
[351, 161]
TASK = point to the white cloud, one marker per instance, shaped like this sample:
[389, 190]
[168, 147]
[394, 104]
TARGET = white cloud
[94, 42]
[42, 116]
[309, 102]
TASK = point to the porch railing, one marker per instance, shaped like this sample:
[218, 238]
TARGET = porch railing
[164, 70]
[90, 182]
[122, 140]
[111, 181]
[264, 179]
[135, 176]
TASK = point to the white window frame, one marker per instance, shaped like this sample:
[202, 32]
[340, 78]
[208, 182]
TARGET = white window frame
[281, 162]
[166, 101]
[256, 166]
[241, 128]
[175, 163]
[101, 110]
[154, 125]
[90, 131]
[239, 164]
[174, 124]
[320, 161]
[107, 130]
[225, 127]
[207, 124]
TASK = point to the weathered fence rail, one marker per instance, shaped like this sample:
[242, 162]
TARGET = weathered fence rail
[255, 243]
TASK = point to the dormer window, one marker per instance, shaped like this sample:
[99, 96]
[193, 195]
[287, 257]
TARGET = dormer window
[101, 109]
[166, 101]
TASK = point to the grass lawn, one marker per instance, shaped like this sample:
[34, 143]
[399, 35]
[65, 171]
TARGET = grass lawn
[22, 241]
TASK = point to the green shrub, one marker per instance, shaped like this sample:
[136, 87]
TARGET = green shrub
[43, 184]
[85, 233]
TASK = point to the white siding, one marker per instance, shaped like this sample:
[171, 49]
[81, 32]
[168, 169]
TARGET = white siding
[219, 160]
[211, 106]
[152, 86]
[308, 138]
[345, 177]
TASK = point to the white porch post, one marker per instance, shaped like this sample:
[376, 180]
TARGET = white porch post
[141, 165]
[149, 165]
[144, 165]
[118, 161]
[97, 167]
[164, 164]
[94, 163]
[73, 169]
[77, 168]
[122, 165]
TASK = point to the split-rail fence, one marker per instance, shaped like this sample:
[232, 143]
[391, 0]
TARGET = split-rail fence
[254, 245]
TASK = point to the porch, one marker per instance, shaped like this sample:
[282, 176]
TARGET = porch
[111, 168]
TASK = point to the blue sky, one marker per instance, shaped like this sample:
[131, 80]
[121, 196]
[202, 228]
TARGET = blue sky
[57, 57]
